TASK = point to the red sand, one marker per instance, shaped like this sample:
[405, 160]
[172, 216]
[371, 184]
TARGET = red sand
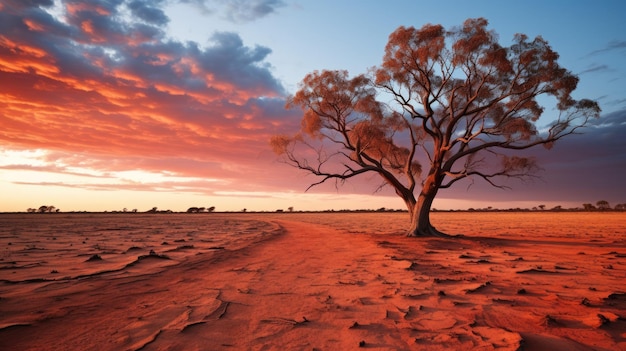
[524, 281]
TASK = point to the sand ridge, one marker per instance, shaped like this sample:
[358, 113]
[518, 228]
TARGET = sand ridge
[313, 287]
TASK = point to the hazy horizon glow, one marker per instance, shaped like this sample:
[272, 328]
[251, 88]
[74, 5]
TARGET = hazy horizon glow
[136, 104]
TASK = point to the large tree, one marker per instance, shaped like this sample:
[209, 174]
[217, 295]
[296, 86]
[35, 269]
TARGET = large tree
[445, 105]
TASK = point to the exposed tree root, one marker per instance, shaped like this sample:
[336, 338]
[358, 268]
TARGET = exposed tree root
[430, 232]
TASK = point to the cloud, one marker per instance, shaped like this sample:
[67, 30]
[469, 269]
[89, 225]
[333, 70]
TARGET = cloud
[50, 168]
[238, 11]
[146, 11]
[24, 4]
[233, 62]
[580, 168]
[613, 45]
[596, 68]
[616, 102]
[200, 187]
[110, 92]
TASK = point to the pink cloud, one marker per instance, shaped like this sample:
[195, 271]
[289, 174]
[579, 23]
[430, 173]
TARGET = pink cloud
[124, 97]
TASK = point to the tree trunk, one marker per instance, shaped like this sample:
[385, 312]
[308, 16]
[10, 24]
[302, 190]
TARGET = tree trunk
[420, 212]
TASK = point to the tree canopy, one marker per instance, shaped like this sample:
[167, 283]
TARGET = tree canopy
[443, 106]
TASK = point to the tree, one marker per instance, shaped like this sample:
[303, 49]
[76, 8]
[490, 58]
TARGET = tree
[459, 105]
[211, 209]
[588, 207]
[603, 205]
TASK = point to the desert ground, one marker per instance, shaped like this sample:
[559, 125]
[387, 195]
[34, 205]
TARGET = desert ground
[312, 281]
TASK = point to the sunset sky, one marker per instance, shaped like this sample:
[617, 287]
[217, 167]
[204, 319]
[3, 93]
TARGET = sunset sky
[112, 104]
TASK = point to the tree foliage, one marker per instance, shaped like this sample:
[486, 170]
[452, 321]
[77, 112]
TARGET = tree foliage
[444, 105]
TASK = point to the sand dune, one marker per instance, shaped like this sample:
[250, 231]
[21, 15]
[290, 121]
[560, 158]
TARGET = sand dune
[312, 282]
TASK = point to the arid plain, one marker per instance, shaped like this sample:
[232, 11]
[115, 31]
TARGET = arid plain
[312, 281]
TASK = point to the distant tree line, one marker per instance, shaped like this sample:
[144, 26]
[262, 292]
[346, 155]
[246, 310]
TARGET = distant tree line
[601, 205]
[200, 209]
[43, 209]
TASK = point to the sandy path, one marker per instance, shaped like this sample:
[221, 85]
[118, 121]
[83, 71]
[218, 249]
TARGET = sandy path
[313, 288]
[302, 290]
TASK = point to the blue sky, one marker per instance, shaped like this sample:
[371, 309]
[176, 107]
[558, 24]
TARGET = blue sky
[308, 35]
[88, 115]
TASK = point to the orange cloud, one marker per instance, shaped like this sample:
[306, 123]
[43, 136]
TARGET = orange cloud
[102, 95]
[33, 25]
[87, 26]
[76, 7]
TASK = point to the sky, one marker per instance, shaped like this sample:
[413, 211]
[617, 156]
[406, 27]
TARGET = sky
[112, 104]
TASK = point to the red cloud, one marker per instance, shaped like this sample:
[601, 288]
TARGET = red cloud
[90, 87]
